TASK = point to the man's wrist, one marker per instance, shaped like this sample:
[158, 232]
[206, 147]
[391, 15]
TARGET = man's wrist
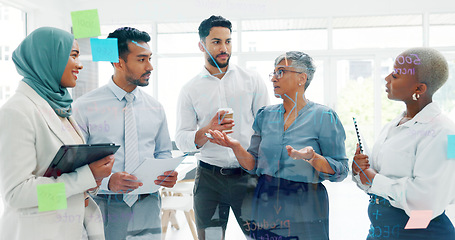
[201, 137]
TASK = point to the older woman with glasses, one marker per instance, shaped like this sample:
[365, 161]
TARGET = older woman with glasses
[290, 199]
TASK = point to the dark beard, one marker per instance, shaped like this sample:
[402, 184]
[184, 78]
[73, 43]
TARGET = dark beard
[219, 64]
[138, 82]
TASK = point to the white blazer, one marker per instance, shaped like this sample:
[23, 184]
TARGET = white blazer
[31, 134]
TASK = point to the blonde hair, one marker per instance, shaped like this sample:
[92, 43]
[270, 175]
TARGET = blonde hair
[431, 67]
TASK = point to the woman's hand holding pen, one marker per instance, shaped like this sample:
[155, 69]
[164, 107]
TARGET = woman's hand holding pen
[361, 166]
[360, 162]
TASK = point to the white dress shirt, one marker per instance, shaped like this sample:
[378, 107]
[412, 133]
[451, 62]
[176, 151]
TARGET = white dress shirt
[199, 100]
[414, 172]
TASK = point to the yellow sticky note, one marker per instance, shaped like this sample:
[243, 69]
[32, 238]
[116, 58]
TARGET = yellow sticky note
[51, 197]
[86, 23]
[419, 219]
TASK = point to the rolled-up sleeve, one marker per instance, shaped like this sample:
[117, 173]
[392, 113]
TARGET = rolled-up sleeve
[331, 142]
[256, 139]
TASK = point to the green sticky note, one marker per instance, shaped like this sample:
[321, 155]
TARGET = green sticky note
[51, 197]
[86, 23]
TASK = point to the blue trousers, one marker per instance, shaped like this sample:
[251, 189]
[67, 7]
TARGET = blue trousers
[388, 222]
[285, 210]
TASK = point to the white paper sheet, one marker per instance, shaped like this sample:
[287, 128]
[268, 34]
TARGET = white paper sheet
[149, 171]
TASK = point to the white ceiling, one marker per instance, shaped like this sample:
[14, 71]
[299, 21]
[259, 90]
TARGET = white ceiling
[299, 13]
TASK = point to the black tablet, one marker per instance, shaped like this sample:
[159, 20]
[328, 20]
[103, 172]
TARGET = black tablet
[71, 157]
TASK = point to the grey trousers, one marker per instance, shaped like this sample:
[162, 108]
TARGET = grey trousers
[140, 221]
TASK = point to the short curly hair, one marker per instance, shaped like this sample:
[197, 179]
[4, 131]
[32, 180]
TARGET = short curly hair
[126, 35]
[213, 21]
[299, 60]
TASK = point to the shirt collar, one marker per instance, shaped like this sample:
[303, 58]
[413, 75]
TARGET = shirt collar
[425, 115]
[206, 73]
[307, 106]
[118, 92]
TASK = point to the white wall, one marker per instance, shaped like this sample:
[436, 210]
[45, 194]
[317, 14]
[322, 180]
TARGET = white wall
[43, 13]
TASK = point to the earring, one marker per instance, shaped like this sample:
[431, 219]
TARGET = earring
[415, 96]
[300, 84]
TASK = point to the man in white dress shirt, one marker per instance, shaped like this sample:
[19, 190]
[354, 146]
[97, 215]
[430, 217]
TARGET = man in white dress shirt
[221, 183]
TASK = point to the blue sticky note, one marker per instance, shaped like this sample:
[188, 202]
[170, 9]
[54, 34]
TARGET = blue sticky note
[104, 49]
[450, 146]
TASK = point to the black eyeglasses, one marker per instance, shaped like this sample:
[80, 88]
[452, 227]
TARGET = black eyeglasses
[279, 74]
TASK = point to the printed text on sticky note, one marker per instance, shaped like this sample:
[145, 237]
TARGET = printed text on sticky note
[104, 49]
[51, 196]
[419, 219]
[86, 23]
[450, 146]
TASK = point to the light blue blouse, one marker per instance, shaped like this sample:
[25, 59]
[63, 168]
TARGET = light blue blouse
[316, 125]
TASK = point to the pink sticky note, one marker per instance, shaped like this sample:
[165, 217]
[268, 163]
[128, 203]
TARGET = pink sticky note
[419, 219]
